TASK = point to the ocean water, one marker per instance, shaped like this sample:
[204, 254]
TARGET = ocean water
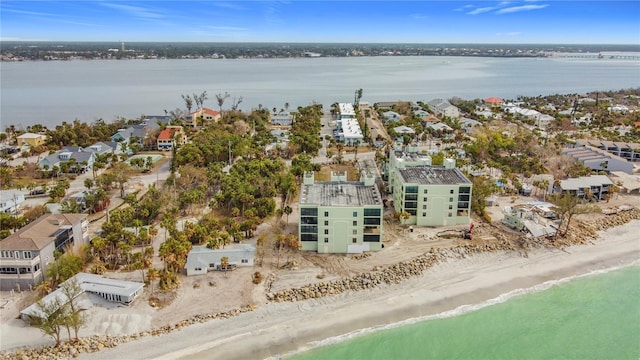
[595, 316]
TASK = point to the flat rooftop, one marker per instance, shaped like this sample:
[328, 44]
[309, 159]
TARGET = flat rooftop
[433, 175]
[340, 193]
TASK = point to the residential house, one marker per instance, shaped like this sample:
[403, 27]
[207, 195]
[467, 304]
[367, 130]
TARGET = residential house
[112, 290]
[440, 129]
[10, 201]
[432, 195]
[598, 160]
[430, 119]
[468, 124]
[31, 139]
[340, 216]
[104, 148]
[421, 113]
[388, 105]
[628, 184]
[442, 107]
[537, 219]
[283, 118]
[25, 254]
[203, 114]
[403, 130]
[170, 137]
[390, 116]
[202, 259]
[594, 187]
[78, 160]
[140, 133]
[493, 102]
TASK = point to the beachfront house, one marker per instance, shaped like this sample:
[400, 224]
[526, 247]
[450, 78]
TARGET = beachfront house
[340, 216]
[348, 128]
[25, 254]
[111, 290]
[202, 259]
[139, 134]
[594, 187]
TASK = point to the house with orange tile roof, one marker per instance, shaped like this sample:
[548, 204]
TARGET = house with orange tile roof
[171, 136]
[202, 114]
[493, 101]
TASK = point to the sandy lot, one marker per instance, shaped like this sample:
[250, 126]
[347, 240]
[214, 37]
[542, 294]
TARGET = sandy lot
[277, 328]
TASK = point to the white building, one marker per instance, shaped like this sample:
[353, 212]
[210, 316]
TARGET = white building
[202, 259]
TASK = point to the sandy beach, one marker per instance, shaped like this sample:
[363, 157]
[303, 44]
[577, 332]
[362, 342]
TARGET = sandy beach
[274, 329]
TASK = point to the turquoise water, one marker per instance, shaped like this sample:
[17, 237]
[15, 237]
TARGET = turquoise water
[589, 317]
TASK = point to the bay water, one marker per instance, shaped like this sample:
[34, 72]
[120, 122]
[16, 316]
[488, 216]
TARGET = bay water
[50, 92]
[594, 316]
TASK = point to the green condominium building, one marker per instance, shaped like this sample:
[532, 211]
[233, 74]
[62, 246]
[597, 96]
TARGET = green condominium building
[340, 216]
[432, 195]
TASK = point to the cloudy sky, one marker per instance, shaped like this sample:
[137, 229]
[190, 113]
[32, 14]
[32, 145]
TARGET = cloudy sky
[527, 21]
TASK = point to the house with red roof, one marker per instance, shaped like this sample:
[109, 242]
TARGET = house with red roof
[493, 101]
[202, 114]
[170, 136]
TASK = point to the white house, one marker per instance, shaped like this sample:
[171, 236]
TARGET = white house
[202, 259]
[10, 201]
[443, 107]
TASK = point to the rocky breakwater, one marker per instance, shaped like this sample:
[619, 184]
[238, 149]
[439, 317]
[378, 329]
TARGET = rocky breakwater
[581, 233]
[72, 349]
[390, 275]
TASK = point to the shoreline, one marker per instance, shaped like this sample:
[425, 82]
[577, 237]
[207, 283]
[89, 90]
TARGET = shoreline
[275, 330]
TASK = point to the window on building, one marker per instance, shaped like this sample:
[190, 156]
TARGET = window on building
[326, 223]
[355, 231]
[244, 261]
[326, 214]
[424, 199]
[425, 191]
[451, 191]
[424, 214]
[326, 240]
[450, 199]
[450, 214]
[16, 254]
[326, 231]
[355, 222]
[450, 207]
[354, 240]
[355, 214]
[424, 207]
[26, 254]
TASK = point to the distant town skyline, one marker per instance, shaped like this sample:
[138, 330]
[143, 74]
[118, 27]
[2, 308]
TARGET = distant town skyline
[507, 22]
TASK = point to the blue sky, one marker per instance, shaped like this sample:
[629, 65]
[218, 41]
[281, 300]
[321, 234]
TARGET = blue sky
[525, 21]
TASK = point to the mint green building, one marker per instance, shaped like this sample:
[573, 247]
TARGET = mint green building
[340, 216]
[432, 195]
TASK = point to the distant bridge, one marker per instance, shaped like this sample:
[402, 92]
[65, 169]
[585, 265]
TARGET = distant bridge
[601, 55]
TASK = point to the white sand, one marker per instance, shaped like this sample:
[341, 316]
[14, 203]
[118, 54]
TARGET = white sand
[278, 328]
